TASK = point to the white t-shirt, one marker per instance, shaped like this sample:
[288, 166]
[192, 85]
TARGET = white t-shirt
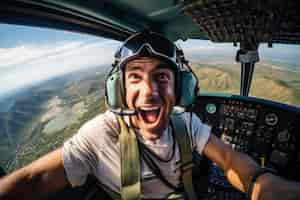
[95, 150]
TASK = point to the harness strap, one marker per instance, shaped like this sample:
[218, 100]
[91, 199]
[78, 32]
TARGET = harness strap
[130, 163]
[186, 155]
[130, 160]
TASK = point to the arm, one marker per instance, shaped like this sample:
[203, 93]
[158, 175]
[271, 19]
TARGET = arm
[239, 168]
[34, 181]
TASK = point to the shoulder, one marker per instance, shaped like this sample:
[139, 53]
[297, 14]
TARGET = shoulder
[199, 132]
[191, 119]
[104, 125]
[103, 120]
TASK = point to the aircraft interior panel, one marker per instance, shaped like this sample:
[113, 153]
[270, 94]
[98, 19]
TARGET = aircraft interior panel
[265, 130]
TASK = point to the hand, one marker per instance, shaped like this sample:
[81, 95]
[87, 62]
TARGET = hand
[269, 186]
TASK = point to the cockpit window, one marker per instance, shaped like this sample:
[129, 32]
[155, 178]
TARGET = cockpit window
[276, 76]
[51, 83]
[214, 65]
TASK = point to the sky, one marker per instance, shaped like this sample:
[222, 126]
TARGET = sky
[30, 55]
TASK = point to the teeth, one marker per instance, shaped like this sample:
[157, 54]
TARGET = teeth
[149, 108]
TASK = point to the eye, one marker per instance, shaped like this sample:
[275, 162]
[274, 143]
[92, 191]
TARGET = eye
[163, 77]
[133, 77]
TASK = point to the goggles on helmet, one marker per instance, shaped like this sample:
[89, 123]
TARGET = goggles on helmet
[157, 45]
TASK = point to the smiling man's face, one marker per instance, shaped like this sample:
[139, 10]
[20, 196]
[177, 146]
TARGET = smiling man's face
[150, 90]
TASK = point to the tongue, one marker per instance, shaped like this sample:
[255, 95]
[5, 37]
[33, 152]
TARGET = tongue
[150, 116]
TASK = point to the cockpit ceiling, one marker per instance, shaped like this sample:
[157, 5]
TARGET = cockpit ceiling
[245, 21]
[250, 21]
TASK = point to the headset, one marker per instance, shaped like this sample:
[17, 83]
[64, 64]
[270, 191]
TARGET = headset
[149, 44]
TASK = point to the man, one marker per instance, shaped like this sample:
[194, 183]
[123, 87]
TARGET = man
[145, 80]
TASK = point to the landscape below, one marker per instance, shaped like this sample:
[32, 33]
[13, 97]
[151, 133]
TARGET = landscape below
[40, 118]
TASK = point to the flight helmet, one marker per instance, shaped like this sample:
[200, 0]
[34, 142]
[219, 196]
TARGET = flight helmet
[152, 45]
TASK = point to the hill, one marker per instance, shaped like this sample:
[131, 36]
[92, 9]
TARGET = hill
[282, 85]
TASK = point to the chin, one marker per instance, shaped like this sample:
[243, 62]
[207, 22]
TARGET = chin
[153, 132]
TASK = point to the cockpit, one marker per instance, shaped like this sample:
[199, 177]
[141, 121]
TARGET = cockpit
[245, 55]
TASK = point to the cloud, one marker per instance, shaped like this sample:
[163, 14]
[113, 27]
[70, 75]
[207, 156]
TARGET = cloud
[205, 51]
[24, 65]
[193, 45]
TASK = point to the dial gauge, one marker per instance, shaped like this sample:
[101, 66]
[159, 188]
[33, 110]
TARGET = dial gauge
[271, 119]
[211, 108]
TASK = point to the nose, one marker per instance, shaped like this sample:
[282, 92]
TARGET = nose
[150, 88]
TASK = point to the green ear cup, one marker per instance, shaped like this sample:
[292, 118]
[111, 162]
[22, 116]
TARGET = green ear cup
[188, 88]
[113, 87]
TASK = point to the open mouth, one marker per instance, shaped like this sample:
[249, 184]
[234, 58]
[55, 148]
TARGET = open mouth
[149, 114]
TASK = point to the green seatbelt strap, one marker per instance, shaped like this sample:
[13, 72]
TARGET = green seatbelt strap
[186, 156]
[130, 163]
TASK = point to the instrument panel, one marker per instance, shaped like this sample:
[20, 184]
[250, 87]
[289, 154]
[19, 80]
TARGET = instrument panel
[265, 130]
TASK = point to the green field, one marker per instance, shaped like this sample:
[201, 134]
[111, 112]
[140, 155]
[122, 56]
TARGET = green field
[69, 102]
[41, 143]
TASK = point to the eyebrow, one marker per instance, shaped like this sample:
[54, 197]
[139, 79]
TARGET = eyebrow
[133, 68]
[164, 65]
